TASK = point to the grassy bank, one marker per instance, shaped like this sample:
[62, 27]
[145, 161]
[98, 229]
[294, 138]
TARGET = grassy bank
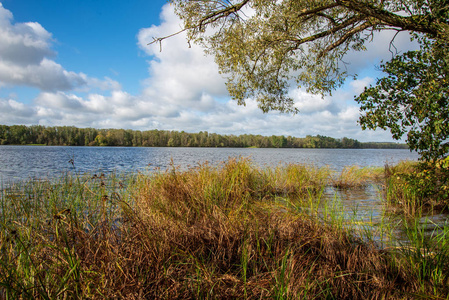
[227, 231]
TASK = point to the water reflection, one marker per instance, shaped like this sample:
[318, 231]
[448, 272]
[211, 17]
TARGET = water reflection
[365, 211]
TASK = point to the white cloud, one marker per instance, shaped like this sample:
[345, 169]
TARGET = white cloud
[59, 101]
[359, 85]
[105, 84]
[23, 43]
[26, 59]
[307, 103]
[383, 46]
[350, 113]
[13, 112]
[180, 75]
[47, 75]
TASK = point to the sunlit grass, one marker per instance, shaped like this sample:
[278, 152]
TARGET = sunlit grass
[356, 177]
[227, 231]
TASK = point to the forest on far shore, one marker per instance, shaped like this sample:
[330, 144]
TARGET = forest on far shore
[73, 136]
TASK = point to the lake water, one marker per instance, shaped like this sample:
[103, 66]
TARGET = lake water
[24, 162]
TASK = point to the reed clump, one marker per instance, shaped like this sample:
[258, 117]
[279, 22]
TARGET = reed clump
[296, 180]
[356, 177]
[209, 232]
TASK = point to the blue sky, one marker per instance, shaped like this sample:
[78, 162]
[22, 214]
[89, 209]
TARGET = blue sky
[86, 63]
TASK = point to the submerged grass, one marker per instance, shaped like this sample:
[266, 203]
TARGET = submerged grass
[209, 232]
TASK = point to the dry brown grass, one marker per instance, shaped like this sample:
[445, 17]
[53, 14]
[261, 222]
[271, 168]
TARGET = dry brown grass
[252, 255]
[208, 233]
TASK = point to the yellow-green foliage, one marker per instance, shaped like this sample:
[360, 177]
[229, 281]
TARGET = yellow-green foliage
[414, 185]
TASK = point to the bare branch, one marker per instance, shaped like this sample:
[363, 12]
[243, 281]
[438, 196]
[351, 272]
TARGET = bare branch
[392, 44]
[223, 13]
[347, 35]
[332, 20]
[159, 40]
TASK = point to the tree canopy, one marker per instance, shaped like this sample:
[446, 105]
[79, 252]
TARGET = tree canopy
[413, 99]
[265, 46]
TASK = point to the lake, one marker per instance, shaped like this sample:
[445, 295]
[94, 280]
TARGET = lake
[24, 162]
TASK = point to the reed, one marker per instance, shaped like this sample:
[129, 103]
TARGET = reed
[356, 177]
[226, 231]
[297, 180]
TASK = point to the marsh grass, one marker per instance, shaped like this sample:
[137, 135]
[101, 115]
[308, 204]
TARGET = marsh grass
[356, 177]
[226, 231]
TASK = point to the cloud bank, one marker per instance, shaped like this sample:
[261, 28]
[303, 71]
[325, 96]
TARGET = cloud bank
[25, 57]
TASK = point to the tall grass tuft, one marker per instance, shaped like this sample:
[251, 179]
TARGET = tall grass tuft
[356, 177]
[296, 180]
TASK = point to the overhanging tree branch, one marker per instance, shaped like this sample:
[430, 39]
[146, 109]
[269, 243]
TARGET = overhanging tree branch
[308, 12]
[305, 41]
[223, 13]
[311, 38]
[417, 23]
[347, 35]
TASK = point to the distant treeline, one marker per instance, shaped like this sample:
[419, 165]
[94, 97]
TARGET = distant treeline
[73, 136]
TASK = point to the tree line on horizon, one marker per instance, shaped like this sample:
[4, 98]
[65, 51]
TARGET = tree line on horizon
[73, 136]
